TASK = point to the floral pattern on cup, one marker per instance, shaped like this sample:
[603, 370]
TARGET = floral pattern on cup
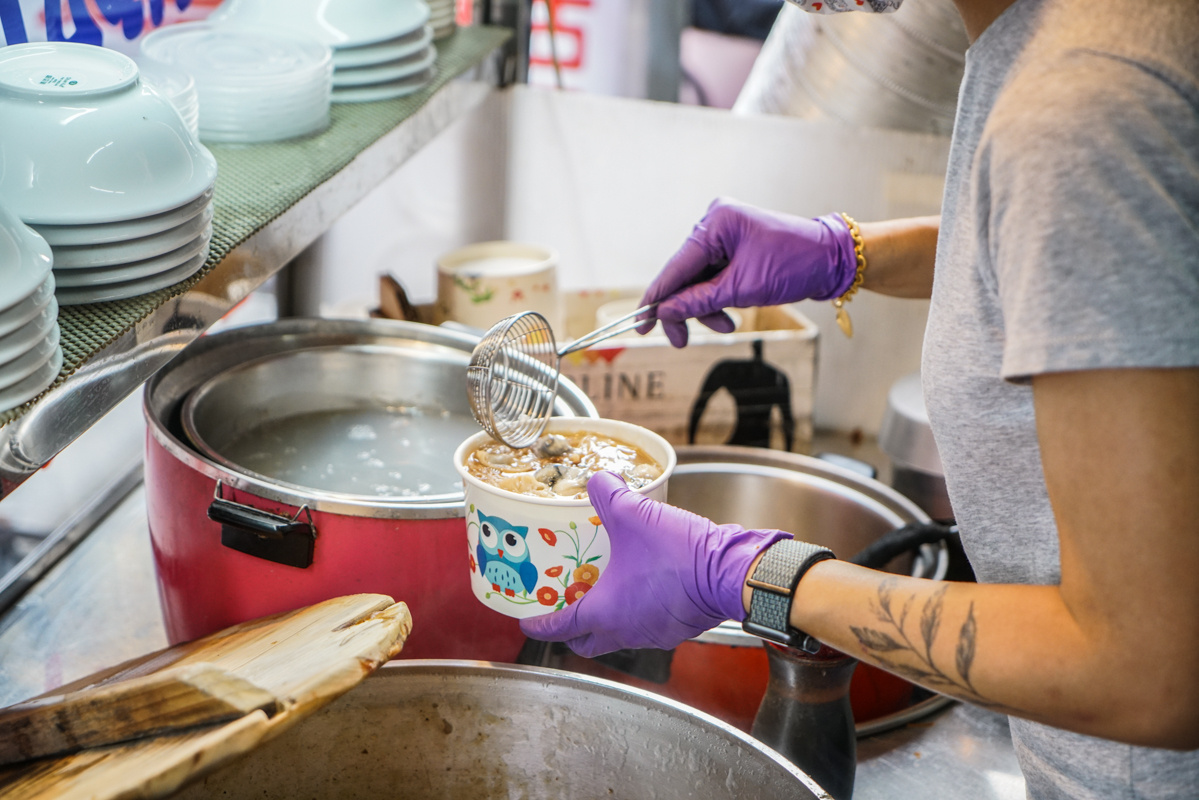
[575, 553]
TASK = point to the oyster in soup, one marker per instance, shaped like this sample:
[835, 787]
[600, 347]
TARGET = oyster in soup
[559, 465]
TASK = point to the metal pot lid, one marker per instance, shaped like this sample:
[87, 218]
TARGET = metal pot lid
[906, 435]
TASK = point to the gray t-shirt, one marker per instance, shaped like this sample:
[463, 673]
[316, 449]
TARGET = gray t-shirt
[1069, 241]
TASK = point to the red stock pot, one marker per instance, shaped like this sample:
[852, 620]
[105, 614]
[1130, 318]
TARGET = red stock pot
[233, 542]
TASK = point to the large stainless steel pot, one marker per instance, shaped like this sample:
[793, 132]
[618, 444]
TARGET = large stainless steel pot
[231, 545]
[907, 437]
[724, 671]
[430, 730]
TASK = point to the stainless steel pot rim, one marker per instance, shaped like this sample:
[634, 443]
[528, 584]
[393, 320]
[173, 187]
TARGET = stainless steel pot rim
[245, 343]
[206, 450]
[932, 560]
[457, 668]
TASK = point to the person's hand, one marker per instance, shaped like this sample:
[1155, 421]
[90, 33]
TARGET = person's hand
[740, 256]
[673, 575]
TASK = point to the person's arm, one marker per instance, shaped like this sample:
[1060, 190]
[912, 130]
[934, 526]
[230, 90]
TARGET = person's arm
[1113, 651]
[740, 256]
[900, 255]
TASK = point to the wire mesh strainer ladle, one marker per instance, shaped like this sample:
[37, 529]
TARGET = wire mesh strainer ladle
[512, 379]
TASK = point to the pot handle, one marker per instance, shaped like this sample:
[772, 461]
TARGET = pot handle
[262, 534]
[902, 540]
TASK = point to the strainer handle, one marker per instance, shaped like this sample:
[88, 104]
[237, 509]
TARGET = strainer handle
[614, 328]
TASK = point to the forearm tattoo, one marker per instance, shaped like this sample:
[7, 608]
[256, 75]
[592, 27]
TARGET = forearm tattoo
[910, 654]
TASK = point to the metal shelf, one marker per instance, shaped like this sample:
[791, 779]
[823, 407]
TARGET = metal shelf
[111, 373]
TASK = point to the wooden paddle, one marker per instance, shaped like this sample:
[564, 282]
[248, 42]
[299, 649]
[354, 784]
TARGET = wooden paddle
[274, 670]
[164, 702]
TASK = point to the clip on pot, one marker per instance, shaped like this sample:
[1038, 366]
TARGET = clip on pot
[283, 540]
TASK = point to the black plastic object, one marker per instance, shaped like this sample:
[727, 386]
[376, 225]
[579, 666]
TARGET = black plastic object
[806, 715]
[896, 542]
[273, 537]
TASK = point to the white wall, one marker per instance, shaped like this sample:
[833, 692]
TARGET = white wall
[615, 186]
[449, 194]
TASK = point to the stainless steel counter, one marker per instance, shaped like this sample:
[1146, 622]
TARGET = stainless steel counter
[99, 606]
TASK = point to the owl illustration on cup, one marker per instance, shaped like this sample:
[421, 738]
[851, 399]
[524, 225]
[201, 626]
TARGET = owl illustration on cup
[503, 556]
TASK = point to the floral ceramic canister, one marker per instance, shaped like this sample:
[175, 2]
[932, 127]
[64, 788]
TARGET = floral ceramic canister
[531, 555]
[480, 284]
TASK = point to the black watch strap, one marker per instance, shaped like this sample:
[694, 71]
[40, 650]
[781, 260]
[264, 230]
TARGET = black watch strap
[773, 583]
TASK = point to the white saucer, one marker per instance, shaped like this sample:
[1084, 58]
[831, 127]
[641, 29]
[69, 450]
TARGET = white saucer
[371, 54]
[105, 232]
[35, 384]
[117, 253]
[29, 334]
[24, 365]
[136, 270]
[384, 91]
[25, 258]
[389, 71]
[346, 23]
[123, 291]
[27, 309]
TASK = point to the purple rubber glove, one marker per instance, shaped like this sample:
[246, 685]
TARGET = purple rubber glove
[771, 259]
[672, 576]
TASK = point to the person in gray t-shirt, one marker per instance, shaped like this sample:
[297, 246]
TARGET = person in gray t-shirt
[1061, 374]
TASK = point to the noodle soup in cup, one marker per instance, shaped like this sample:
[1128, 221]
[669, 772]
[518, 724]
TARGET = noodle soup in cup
[535, 543]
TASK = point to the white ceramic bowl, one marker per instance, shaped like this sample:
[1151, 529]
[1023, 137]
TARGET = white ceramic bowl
[562, 539]
[146, 247]
[84, 141]
[388, 90]
[106, 232]
[346, 23]
[17, 315]
[25, 260]
[387, 71]
[390, 50]
[30, 387]
[28, 335]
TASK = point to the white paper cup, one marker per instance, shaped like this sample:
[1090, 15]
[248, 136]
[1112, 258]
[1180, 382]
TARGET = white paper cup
[557, 548]
[481, 284]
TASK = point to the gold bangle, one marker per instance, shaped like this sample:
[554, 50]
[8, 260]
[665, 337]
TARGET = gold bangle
[859, 253]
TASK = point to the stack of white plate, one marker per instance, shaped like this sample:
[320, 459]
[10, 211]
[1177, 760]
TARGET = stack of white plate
[30, 354]
[122, 192]
[442, 18]
[382, 49]
[253, 85]
[177, 85]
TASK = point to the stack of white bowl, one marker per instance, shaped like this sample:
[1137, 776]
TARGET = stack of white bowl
[253, 85]
[442, 18]
[104, 168]
[382, 49]
[30, 354]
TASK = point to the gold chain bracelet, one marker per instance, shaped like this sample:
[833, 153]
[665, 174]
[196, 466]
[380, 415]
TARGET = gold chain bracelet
[859, 253]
